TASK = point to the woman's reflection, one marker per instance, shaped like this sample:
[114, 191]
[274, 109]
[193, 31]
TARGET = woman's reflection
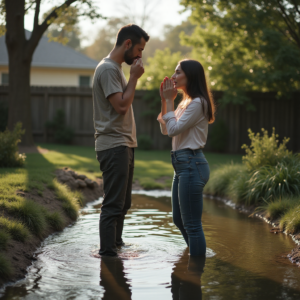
[186, 277]
[112, 278]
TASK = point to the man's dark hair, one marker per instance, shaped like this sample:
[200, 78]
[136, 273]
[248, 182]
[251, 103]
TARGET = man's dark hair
[132, 32]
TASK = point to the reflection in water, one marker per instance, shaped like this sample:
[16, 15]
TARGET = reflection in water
[113, 280]
[243, 261]
[186, 277]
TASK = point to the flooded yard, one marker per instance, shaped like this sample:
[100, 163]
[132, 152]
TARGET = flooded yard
[244, 260]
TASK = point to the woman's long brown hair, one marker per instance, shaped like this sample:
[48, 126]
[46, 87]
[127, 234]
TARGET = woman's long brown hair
[197, 86]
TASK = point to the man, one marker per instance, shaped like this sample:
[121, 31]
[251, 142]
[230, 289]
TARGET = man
[115, 131]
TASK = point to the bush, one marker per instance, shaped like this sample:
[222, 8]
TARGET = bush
[62, 133]
[271, 182]
[4, 238]
[9, 156]
[221, 179]
[264, 150]
[219, 136]
[144, 142]
[55, 220]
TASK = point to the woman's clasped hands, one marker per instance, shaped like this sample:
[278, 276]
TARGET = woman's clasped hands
[167, 90]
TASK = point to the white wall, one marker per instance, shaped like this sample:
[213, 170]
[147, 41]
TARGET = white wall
[54, 77]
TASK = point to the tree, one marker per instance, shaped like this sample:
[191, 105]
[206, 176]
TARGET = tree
[65, 29]
[20, 51]
[247, 45]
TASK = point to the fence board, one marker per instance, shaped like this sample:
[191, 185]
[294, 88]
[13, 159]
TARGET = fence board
[283, 114]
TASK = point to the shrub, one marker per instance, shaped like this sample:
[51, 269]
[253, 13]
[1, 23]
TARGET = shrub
[219, 136]
[273, 182]
[9, 156]
[221, 179]
[144, 142]
[239, 187]
[62, 133]
[264, 150]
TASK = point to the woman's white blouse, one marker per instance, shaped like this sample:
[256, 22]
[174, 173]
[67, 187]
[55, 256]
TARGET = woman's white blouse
[188, 127]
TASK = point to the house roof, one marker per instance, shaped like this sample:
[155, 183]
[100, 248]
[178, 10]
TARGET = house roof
[52, 55]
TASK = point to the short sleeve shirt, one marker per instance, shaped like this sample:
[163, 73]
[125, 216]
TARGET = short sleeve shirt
[111, 129]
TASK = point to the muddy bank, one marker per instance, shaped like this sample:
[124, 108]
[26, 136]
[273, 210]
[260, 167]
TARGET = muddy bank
[294, 256]
[21, 254]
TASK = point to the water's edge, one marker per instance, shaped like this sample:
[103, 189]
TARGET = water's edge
[251, 210]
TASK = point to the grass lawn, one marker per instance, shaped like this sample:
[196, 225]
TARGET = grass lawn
[149, 165]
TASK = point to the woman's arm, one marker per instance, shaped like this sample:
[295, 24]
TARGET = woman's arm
[190, 117]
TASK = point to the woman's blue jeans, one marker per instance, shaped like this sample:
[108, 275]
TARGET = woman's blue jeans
[190, 176]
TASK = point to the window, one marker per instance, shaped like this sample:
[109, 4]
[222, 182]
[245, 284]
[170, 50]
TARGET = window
[84, 81]
[4, 78]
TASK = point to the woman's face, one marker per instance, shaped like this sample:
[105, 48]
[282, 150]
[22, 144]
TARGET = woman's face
[179, 78]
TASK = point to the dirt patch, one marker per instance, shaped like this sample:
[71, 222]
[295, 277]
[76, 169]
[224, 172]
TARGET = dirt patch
[21, 254]
[32, 149]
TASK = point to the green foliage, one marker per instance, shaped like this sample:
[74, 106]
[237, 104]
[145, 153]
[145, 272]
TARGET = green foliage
[277, 208]
[239, 187]
[17, 230]
[9, 156]
[4, 239]
[3, 115]
[246, 45]
[5, 267]
[218, 137]
[162, 64]
[55, 220]
[290, 222]
[70, 200]
[149, 183]
[221, 179]
[144, 142]
[62, 133]
[264, 150]
[30, 213]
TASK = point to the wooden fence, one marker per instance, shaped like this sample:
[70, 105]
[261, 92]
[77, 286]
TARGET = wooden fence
[283, 114]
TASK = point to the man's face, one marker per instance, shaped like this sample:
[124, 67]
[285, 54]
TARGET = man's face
[134, 52]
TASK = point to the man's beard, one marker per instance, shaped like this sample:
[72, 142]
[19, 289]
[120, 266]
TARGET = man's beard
[128, 58]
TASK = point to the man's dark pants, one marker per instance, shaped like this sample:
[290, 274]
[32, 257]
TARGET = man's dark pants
[117, 166]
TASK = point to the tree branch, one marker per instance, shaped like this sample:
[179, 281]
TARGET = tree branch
[289, 24]
[39, 30]
[36, 14]
[296, 6]
[29, 6]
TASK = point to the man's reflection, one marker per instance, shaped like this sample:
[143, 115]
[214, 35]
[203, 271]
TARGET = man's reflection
[186, 277]
[112, 278]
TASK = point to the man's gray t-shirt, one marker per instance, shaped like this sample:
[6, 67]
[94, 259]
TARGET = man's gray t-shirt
[111, 129]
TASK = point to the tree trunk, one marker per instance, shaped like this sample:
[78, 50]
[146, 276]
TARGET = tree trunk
[19, 108]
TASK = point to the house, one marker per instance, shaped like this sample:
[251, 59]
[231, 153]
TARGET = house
[53, 64]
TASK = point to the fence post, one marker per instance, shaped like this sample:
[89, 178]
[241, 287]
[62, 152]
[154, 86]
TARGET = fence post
[46, 108]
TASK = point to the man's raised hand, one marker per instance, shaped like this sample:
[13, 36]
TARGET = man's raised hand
[137, 68]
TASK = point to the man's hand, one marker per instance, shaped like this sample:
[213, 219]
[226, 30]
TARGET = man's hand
[137, 68]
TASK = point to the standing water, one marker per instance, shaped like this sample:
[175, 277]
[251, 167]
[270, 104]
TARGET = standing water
[244, 260]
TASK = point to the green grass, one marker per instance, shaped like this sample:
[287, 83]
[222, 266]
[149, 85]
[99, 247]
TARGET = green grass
[17, 230]
[222, 178]
[5, 267]
[4, 239]
[279, 207]
[55, 220]
[290, 222]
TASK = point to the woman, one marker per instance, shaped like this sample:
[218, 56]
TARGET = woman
[188, 127]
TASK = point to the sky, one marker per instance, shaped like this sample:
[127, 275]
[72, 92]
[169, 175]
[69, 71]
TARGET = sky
[162, 12]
